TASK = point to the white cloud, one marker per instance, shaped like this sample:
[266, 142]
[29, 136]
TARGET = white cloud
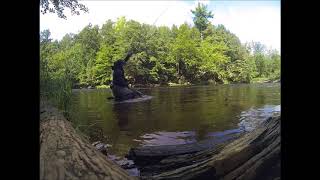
[248, 22]
[252, 23]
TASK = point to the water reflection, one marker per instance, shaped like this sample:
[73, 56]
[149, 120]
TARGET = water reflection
[121, 113]
[202, 131]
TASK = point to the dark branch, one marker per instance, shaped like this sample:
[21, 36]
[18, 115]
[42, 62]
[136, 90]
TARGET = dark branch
[60, 5]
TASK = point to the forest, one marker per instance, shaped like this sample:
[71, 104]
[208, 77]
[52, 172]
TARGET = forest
[202, 53]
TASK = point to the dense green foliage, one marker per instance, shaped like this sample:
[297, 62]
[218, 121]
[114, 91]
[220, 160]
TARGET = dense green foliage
[55, 83]
[162, 54]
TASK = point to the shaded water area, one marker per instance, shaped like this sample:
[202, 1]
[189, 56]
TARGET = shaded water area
[174, 115]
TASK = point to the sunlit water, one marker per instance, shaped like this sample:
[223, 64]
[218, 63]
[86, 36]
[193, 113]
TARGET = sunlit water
[174, 115]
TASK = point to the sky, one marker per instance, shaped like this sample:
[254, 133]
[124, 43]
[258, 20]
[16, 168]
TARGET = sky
[253, 20]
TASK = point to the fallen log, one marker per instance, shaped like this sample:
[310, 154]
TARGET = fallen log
[255, 155]
[64, 154]
[148, 155]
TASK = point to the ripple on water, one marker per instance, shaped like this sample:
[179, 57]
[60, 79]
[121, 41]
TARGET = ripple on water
[167, 138]
[251, 118]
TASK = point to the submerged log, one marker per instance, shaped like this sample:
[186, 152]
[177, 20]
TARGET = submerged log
[255, 155]
[148, 155]
[64, 154]
[121, 93]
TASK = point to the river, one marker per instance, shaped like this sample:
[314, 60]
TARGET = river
[174, 115]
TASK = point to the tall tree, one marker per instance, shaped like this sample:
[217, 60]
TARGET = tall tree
[45, 36]
[201, 16]
[213, 61]
[185, 52]
[257, 48]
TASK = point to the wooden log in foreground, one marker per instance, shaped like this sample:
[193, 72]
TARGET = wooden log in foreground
[255, 155]
[149, 155]
[64, 154]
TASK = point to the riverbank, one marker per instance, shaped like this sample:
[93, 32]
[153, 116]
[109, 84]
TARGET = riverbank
[254, 81]
[265, 80]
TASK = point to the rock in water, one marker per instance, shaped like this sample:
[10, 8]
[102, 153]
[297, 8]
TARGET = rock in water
[103, 148]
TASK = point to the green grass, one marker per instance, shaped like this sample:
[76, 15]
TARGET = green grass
[57, 91]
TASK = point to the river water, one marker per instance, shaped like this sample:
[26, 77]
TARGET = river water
[174, 115]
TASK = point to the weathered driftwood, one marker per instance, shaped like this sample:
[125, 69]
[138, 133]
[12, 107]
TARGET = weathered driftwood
[255, 155]
[64, 154]
[148, 155]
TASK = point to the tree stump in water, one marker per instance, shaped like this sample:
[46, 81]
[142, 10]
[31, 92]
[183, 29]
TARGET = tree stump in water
[255, 155]
[64, 154]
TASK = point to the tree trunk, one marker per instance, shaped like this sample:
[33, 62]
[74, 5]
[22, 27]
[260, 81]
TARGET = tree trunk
[148, 155]
[255, 155]
[178, 69]
[64, 154]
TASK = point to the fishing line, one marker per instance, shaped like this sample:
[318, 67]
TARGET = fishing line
[160, 15]
[156, 21]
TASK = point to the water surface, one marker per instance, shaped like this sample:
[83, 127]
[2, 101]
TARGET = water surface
[174, 115]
